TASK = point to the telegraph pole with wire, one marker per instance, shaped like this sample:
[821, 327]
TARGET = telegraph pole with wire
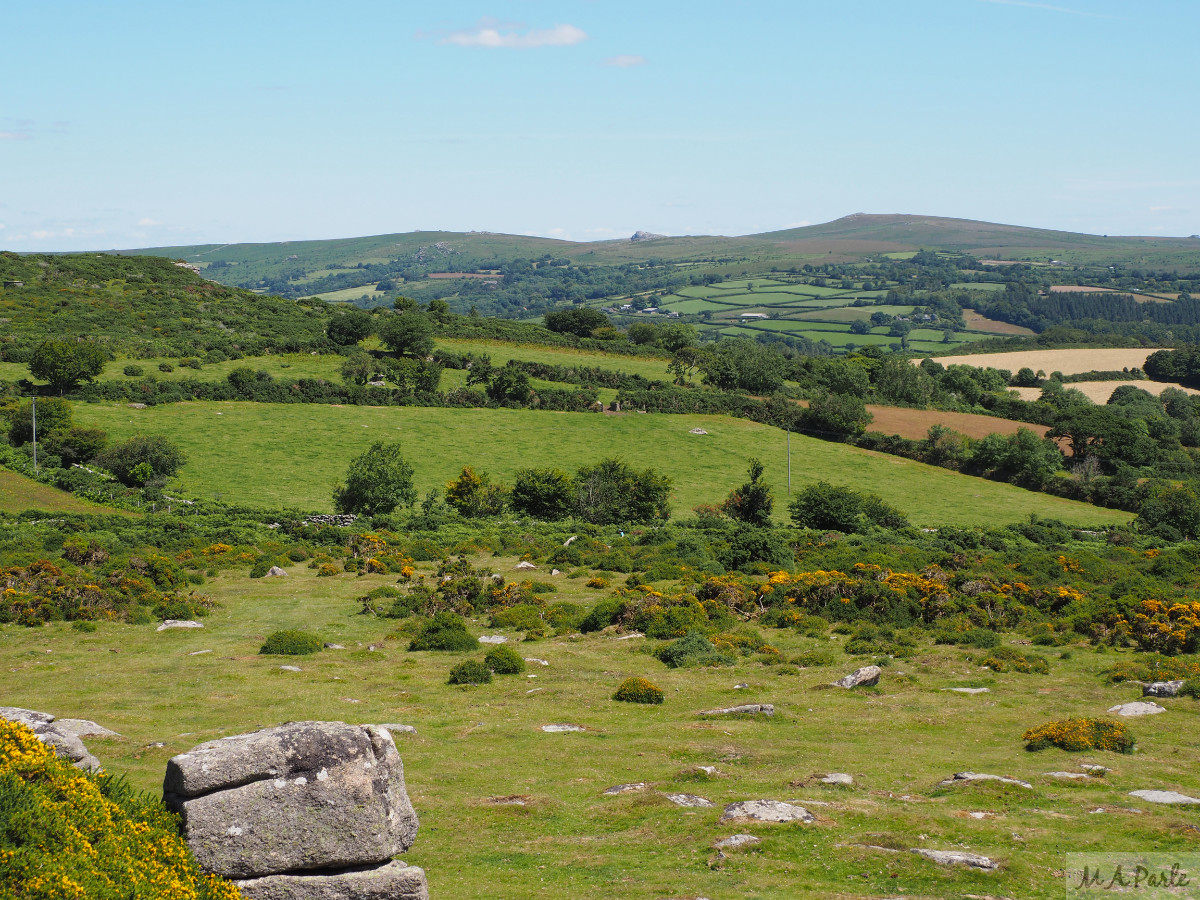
[35, 468]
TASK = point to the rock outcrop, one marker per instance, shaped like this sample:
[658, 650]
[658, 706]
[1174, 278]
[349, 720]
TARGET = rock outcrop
[867, 676]
[1162, 688]
[65, 741]
[305, 810]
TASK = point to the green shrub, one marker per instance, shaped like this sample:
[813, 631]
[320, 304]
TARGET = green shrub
[1190, 688]
[1076, 735]
[520, 617]
[980, 638]
[1007, 659]
[326, 570]
[504, 661]
[542, 587]
[563, 617]
[165, 367]
[470, 671]
[603, 614]
[291, 643]
[83, 625]
[872, 639]
[811, 659]
[693, 649]
[134, 371]
[446, 631]
[638, 690]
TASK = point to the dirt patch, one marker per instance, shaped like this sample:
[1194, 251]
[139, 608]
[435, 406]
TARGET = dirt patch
[1100, 391]
[976, 322]
[1069, 362]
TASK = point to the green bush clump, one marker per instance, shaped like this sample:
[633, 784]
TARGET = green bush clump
[980, 638]
[1076, 735]
[564, 617]
[291, 643]
[446, 631]
[638, 690]
[470, 671]
[542, 587]
[1190, 688]
[1152, 667]
[504, 661]
[134, 371]
[693, 649]
[811, 659]
[603, 614]
[520, 617]
[1006, 659]
[872, 639]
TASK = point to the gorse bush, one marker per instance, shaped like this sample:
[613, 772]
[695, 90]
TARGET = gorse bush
[291, 643]
[1006, 659]
[693, 649]
[1076, 735]
[504, 661]
[471, 671]
[446, 631]
[814, 658]
[638, 690]
[64, 834]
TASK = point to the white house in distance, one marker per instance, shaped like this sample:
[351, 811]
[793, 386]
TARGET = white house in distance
[754, 316]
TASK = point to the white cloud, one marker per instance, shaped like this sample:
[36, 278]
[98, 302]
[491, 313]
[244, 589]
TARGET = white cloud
[1158, 209]
[14, 136]
[42, 235]
[148, 222]
[625, 61]
[490, 33]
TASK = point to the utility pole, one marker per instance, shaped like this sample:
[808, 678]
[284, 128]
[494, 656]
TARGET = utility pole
[35, 469]
[789, 452]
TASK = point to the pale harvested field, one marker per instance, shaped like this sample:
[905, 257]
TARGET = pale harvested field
[1100, 391]
[977, 322]
[1069, 362]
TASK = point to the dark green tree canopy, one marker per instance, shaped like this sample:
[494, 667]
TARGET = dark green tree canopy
[143, 458]
[408, 334]
[66, 364]
[580, 321]
[613, 493]
[377, 481]
[349, 327]
[545, 494]
[752, 502]
[53, 414]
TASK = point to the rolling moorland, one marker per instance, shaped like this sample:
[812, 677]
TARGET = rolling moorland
[1030, 574]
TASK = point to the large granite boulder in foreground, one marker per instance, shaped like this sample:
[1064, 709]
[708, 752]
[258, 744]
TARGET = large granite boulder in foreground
[322, 803]
[64, 741]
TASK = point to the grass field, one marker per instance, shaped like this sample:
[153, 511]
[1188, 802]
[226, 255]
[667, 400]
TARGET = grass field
[18, 493]
[476, 745]
[652, 367]
[1100, 391]
[292, 455]
[1069, 362]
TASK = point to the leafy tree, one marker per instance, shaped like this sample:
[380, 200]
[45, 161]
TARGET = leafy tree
[408, 334]
[642, 333]
[53, 414]
[743, 364]
[546, 494]
[676, 336]
[1106, 433]
[860, 327]
[67, 363]
[439, 311]
[1025, 377]
[580, 321]
[510, 384]
[349, 327]
[474, 495]
[1023, 458]
[413, 376]
[837, 414]
[377, 481]
[827, 507]
[75, 445]
[142, 459]
[358, 367]
[1173, 512]
[752, 502]
[611, 493]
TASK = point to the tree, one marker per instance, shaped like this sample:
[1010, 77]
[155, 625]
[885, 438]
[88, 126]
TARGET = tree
[642, 333]
[377, 481]
[837, 414]
[1022, 458]
[509, 384]
[743, 364]
[545, 494]
[752, 502]
[827, 507]
[408, 334]
[611, 493]
[348, 328]
[142, 459]
[474, 495]
[67, 363]
[860, 327]
[53, 414]
[358, 367]
[74, 445]
[580, 321]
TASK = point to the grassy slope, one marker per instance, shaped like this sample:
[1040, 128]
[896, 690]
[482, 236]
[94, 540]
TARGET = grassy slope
[293, 454]
[569, 841]
[18, 493]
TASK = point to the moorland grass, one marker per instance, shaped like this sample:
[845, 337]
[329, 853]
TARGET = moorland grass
[292, 454]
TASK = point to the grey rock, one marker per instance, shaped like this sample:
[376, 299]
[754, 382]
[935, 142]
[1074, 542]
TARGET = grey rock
[556, 571]
[178, 623]
[967, 777]
[631, 636]
[764, 709]
[741, 686]
[1164, 797]
[536, 661]
[306, 795]
[399, 729]
[329, 646]
[276, 572]
[691, 801]
[766, 811]
[1094, 768]
[391, 881]
[1137, 708]
[737, 840]
[84, 728]
[837, 778]
[956, 858]
[561, 728]
[524, 564]
[493, 639]
[290, 669]
[867, 676]
[1070, 776]
[199, 652]
[570, 540]
[1162, 689]
[968, 690]
[645, 236]
[624, 789]
[64, 742]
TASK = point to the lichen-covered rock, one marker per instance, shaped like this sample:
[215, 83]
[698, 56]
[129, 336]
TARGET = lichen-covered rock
[956, 858]
[867, 676]
[64, 741]
[1162, 688]
[391, 881]
[747, 709]
[1137, 708]
[766, 811]
[306, 795]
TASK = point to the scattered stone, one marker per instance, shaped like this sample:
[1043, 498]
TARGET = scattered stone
[631, 636]
[389, 881]
[199, 652]
[979, 815]
[837, 778]
[555, 571]
[533, 690]
[968, 690]
[956, 858]
[306, 795]
[691, 801]
[570, 540]
[765, 709]
[561, 728]
[64, 742]
[766, 811]
[350, 700]
[1076, 776]
[493, 639]
[737, 840]
[141, 406]
[710, 771]
[290, 668]
[741, 687]
[524, 564]
[1137, 708]
[155, 745]
[398, 729]
[1162, 688]
[867, 676]
[536, 661]
[84, 728]
[276, 572]
[1163, 797]
[697, 431]
[329, 646]
[178, 623]
[624, 789]
[1092, 768]
[966, 777]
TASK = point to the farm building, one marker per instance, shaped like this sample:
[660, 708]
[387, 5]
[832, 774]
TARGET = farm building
[754, 316]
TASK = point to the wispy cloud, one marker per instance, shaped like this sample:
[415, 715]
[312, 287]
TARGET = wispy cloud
[491, 33]
[147, 222]
[625, 62]
[1046, 6]
[14, 135]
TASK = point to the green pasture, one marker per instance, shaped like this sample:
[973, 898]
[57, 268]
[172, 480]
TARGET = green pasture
[854, 313]
[477, 747]
[292, 454]
[652, 367]
[978, 286]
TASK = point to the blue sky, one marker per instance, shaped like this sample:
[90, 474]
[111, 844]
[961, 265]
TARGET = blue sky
[129, 124]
